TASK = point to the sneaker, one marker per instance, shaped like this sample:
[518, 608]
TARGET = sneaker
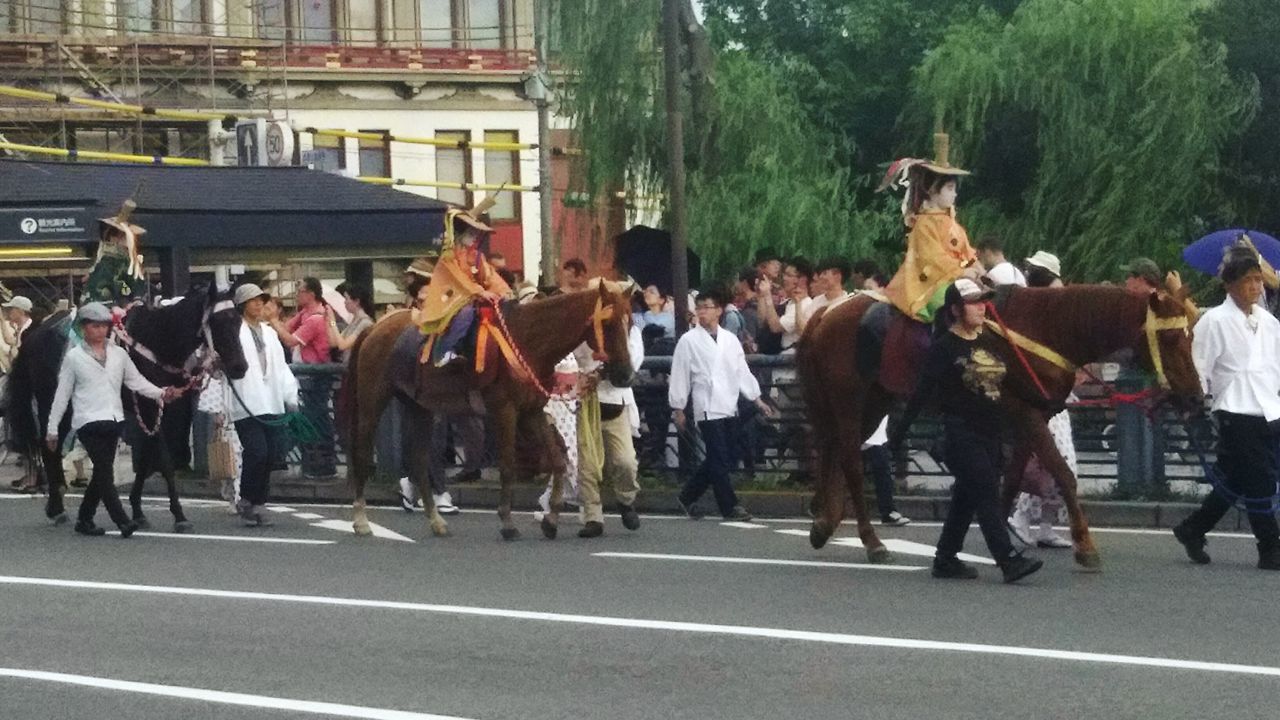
[739, 514]
[1049, 539]
[257, 517]
[80, 482]
[630, 518]
[895, 519]
[1020, 566]
[127, 530]
[953, 568]
[409, 496]
[1020, 528]
[88, 528]
[591, 529]
[1192, 543]
[444, 504]
[691, 511]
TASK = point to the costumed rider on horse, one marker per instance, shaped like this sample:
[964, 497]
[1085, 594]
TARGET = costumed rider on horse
[117, 277]
[462, 278]
[938, 252]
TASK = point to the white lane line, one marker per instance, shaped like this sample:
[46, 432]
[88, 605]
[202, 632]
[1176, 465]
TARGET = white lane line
[743, 525]
[308, 516]
[345, 526]
[905, 547]
[757, 561]
[281, 509]
[230, 538]
[224, 698]
[669, 626]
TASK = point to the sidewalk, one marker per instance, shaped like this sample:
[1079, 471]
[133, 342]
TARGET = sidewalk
[484, 493]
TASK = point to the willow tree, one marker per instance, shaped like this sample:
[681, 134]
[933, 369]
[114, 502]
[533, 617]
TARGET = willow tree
[1125, 107]
[760, 173]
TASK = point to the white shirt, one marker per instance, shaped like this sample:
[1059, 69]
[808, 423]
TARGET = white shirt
[715, 370]
[1238, 366]
[792, 323]
[263, 391]
[93, 388]
[880, 436]
[1006, 274]
[606, 392]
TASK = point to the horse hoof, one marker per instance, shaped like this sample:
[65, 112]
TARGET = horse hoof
[440, 530]
[510, 534]
[362, 528]
[817, 537]
[549, 529]
[1089, 560]
[879, 555]
[183, 527]
[142, 522]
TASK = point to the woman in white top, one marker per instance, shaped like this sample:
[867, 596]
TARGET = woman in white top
[258, 402]
[90, 381]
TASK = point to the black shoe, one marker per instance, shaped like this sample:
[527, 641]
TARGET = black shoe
[1020, 566]
[80, 483]
[467, 476]
[630, 518]
[592, 529]
[88, 528]
[1269, 557]
[142, 522]
[1193, 544]
[953, 568]
[693, 512]
[739, 514]
[127, 530]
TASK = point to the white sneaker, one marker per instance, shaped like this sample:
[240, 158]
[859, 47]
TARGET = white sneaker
[444, 504]
[1020, 529]
[409, 496]
[895, 519]
[1047, 538]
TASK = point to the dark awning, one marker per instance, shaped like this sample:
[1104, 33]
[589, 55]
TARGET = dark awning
[210, 206]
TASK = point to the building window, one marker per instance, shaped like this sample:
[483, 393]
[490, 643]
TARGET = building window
[484, 24]
[328, 154]
[503, 166]
[375, 156]
[363, 21]
[189, 17]
[136, 16]
[312, 21]
[437, 20]
[453, 165]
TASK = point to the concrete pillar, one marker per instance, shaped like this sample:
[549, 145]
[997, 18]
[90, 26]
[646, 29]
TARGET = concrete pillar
[175, 270]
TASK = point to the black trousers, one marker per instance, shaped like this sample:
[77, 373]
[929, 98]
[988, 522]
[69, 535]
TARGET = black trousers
[975, 461]
[881, 465]
[261, 443]
[319, 459]
[1250, 463]
[717, 437]
[100, 440]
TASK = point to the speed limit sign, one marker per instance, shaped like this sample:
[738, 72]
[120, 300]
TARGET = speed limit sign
[279, 143]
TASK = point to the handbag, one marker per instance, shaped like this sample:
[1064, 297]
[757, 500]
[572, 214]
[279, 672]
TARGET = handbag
[222, 458]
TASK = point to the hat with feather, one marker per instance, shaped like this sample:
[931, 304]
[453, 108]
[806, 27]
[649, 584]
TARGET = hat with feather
[456, 217]
[131, 232]
[914, 174]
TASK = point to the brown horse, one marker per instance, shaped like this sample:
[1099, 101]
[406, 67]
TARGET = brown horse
[1079, 325]
[543, 332]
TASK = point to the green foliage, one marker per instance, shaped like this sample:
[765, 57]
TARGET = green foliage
[1128, 108]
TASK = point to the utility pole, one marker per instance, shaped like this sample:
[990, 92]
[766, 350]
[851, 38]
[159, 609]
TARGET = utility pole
[550, 260]
[671, 45]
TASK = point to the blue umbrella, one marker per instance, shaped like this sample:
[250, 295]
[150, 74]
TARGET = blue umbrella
[1205, 254]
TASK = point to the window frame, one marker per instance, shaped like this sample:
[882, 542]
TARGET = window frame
[385, 147]
[517, 210]
[468, 165]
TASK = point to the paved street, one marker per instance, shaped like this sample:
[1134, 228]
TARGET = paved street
[679, 620]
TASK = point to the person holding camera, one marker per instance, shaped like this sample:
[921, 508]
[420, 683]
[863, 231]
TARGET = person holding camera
[1236, 349]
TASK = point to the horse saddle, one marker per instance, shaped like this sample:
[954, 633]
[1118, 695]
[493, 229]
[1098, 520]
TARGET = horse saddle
[891, 347]
[452, 388]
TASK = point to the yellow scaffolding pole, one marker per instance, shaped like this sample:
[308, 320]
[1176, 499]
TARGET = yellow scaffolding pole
[95, 155]
[446, 185]
[437, 142]
[37, 95]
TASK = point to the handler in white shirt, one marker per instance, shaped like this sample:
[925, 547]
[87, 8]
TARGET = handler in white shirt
[709, 364]
[90, 380]
[1237, 353]
[258, 402]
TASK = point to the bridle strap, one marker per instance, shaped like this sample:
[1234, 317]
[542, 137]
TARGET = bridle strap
[1152, 327]
[599, 316]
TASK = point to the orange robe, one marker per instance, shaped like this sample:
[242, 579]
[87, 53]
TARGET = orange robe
[459, 276]
[938, 252]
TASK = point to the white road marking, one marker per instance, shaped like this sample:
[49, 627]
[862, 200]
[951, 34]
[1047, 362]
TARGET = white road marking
[281, 509]
[230, 538]
[224, 698]
[758, 561]
[743, 525]
[670, 626]
[308, 516]
[345, 526]
[905, 547]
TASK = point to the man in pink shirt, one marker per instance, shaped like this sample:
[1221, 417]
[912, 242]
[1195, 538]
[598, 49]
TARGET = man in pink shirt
[308, 331]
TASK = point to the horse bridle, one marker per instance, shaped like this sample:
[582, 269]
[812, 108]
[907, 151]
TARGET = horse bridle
[203, 361]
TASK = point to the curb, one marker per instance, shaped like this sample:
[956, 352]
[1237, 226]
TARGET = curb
[485, 495]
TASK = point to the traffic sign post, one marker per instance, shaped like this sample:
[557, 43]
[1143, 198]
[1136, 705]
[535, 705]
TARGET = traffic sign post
[250, 139]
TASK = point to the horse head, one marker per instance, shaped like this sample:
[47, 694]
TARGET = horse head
[223, 322]
[1164, 349]
[609, 330]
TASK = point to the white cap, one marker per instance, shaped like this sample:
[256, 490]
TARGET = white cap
[969, 290]
[94, 312]
[247, 292]
[19, 302]
[1046, 260]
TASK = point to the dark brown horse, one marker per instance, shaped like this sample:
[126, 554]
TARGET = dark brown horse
[1079, 324]
[542, 331]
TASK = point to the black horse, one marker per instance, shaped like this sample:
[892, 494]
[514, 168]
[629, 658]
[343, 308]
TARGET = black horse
[162, 342]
